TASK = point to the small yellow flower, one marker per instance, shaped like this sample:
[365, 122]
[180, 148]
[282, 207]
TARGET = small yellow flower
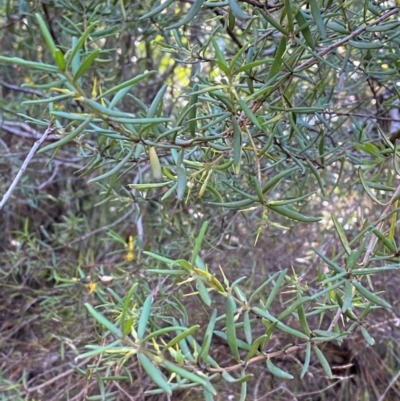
[92, 286]
[130, 255]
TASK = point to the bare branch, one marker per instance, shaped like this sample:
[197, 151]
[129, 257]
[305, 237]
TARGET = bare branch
[50, 129]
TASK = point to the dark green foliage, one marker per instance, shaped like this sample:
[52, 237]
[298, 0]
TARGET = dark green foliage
[196, 144]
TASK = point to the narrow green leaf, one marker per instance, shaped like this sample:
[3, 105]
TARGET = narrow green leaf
[274, 23]
[322, 360]
[221, 61]
[87, 63]
[329, 262]
[203, 292]
[47, 35]
[278, 372]
[342, 235]
[103, 321]
[125, 327]
[317, 176]
[237, 10]
[199, 241]
[154, 373]
[237, 145]
[306, 363]
[181, 336]
[193, 11]
[306, 30]
[130, 82]
[205, 347]
[278, 60]
[193, 111]
[144, 317]
[262, 287]
[367, 336]
[192, 377]
[79, 44]
[247, 327]
[155, 163]
[182, 181]
[30, 64]
[232, 65]
[365, 45]
[279, 325]
[157, 10]
[367, 189]
[67, 138]
[59, 57]
[250, 115]
[289, 14]
[257, 346]
[369, 295]
[114, 170]
[228, 378]
[385, 241]
[292, 214]
[277, 178]
[316, 13]
[348, 296]
[234, 204]
[276, 289]
[230, 327]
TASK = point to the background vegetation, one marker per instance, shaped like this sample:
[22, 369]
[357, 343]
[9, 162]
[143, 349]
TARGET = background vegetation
[213, 210]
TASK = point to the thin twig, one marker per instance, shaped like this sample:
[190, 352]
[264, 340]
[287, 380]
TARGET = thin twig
[21, 89]
[50, 129]
[372, 242]
[58, 377]
[393, 381]
[97, 230]
[335, 319]
[341, 42]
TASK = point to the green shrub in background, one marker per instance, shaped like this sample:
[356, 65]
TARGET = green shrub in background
[232, 106]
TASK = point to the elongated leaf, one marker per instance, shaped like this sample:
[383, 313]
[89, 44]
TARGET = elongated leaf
[316, 13]
[278, 372]
[370, 296]
[144, 317]
[237, 145]
[181, 336]
[306, 363]
[205, 347]
[67, 138]
[117, 168]
[237, 10]
[155, 163]
[81, 41]
[276, 65]
[276, 289]
[199, 241]
[125, 84]
[103, 320]
[367, 336]
[87, 63]
[193, 11]
[30, 64]
[341, 234]
[154, 373]
[230, 327]
[305, 30]
[249, 114]
[157, 10]
[292, 214]
[323, 361]
[47, 35]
